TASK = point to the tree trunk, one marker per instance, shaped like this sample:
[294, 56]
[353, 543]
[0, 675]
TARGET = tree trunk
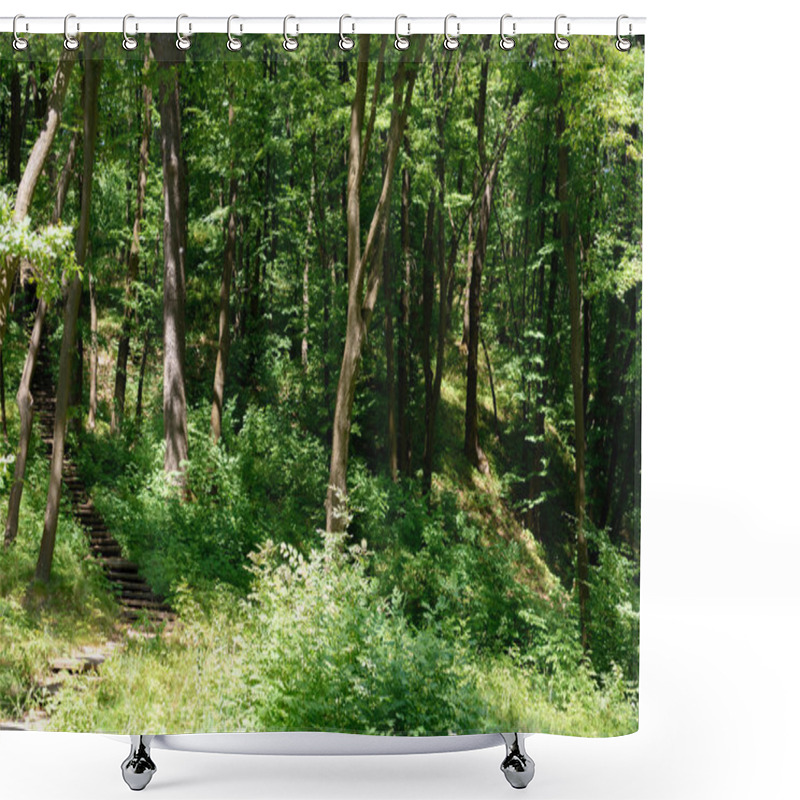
[472, 448]
[306, 267]
[92, 69]
[404, 332]
[92, 419]
[489, 172]
[15, 126]
[388, 337]
[25, 406]
[142, 368]
[224, 338]
[33, 169]
[24, 396]
[175, 424]
[361, 299]
[427, 325]
[577, 378]
[491, 386]
[123, 351]
[3, 396]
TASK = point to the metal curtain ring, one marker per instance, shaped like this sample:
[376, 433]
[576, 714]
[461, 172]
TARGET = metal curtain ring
[128, 42]
[289, 42]
[560, 42]
[451, 42]
[70, 42]
[506, 42]
[234, 44]
[345, 42]
[182, 43]
[18, 43]
[623, 45]
[401, 42]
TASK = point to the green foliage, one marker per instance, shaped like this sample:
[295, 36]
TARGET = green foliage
[329, 653]
[441, 562]
[49, 251]
[270, 474]
[613, 606]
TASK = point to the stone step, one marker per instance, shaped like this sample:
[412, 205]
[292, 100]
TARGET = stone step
[120, 565]
[99, 538]
[79, 664]
[135, 602]
[136, 614]
[141, 592]
[102, 542]
[92, 524]
[125, 577]
[108, 550]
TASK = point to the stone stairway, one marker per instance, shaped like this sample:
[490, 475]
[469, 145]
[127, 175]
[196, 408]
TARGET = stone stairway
[135, 596]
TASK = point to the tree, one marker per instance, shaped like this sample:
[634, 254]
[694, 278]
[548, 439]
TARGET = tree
[364, 266]
[33, 169]
[224, 338]
[575, 362]
[175, 425]
[134, 253]
[489, 170]
[91, 80]
[24, 396]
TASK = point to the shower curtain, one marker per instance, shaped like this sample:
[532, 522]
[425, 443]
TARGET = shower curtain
[327, 369]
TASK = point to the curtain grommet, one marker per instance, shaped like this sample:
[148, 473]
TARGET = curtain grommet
[450, 41]
[560, 42]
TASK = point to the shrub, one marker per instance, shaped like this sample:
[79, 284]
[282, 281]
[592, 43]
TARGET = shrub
[450, 572]
[613, 607]
[327, 652]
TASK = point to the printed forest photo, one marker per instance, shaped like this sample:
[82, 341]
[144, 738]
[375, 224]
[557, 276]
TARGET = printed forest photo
[320, 376]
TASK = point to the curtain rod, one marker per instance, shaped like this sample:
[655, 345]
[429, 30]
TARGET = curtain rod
[407, 25]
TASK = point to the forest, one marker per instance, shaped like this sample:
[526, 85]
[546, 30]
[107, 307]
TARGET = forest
[320, 377]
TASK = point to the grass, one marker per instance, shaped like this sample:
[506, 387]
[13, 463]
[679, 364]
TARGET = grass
[37, 623]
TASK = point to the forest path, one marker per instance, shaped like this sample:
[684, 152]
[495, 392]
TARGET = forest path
[133, 593]
[138, 603]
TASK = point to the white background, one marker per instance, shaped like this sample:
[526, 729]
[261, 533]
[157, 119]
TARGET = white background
[720, 602]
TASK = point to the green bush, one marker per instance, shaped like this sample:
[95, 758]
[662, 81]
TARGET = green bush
[613, 607]
[270, 475]
[327, 652]
[448, 570]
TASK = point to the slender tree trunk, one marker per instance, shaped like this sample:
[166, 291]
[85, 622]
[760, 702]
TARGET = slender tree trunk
[472, 448]
[142, 368]
[134, 255]
[25, 406]
[224, 339]
[571, 264]
[362, 287]
[3, 396]
[388, 336]
[489, 172]
[491, 386]
[92, 419]
[33, 169]
[92, 69]
[586, 314]
[175, 423]
[464, 346]
[15, 126]
[24, 396]
[428, 256]
[404, 332]
[306, 267]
